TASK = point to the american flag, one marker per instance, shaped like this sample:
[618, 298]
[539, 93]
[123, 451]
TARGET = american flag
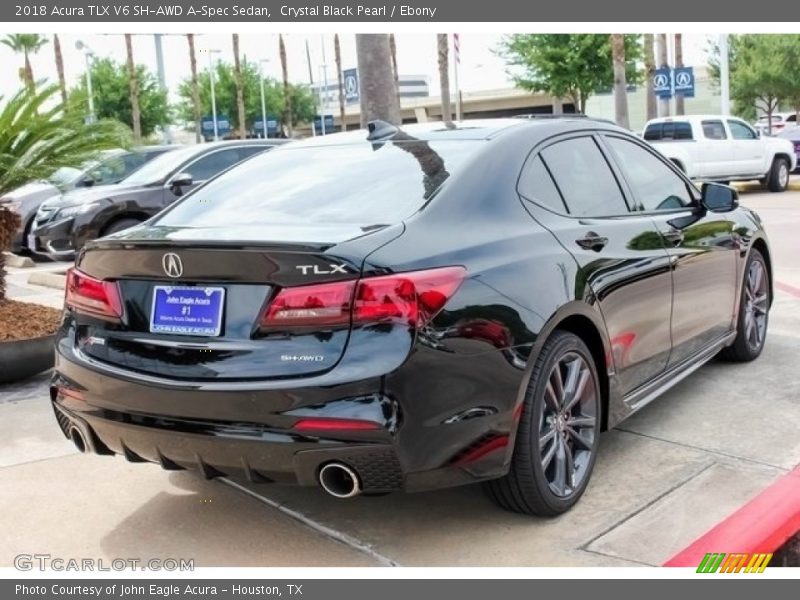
[456, 48]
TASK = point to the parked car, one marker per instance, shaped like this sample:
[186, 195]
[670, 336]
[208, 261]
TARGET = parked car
[780, 121]
[408, 309]
[793, 135]
[113, 166]
[722, 148]
[64, 224]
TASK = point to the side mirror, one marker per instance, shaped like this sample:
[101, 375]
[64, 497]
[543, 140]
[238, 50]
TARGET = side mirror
[719, 198]
[179, 181]
[86, 182]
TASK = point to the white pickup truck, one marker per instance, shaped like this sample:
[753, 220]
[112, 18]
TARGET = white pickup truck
[722, 148]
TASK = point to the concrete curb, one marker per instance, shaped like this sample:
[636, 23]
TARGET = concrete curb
[20, 262]
[56, 281]
[763, 525]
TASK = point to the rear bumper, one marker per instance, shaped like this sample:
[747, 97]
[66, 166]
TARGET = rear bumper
[253, 453]
[250, 433]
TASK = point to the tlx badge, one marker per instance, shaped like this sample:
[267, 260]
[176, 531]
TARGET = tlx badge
[315, 269]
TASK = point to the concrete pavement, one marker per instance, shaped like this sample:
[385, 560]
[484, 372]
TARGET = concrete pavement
[662, 479]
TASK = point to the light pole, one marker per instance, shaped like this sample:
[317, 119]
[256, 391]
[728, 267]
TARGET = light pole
[213, 92]
[261, 64]
[87, 55]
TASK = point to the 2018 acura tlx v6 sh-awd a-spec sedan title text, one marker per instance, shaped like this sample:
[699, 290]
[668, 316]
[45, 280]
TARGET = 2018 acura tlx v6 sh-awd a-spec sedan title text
[408, 309]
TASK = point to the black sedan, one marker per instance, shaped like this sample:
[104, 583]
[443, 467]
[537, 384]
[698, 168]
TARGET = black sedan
[408, 309]
[64, 224]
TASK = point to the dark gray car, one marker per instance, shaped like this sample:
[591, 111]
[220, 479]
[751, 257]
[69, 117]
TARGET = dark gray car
[111, 167]
[64, 224]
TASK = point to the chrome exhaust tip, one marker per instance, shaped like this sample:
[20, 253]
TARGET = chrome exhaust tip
[78, 440]
[339, 480]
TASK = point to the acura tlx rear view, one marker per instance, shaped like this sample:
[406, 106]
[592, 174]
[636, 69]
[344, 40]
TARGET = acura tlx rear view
[407, 309]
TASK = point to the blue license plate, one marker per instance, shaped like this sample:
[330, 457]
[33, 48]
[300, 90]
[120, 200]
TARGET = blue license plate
[187, 310]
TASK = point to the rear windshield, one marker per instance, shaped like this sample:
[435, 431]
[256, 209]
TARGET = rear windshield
[670, 130]
[363, 184]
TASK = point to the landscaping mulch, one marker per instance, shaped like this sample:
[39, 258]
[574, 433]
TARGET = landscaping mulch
[23, 320]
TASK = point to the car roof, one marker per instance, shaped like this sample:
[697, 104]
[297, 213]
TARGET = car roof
[478, 129]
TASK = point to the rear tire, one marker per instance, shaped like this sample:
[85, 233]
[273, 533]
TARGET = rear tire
[558, 434]
[751, 324]
[778, 176]
[119, 225]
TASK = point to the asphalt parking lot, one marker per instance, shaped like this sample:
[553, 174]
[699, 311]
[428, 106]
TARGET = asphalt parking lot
[662, 479]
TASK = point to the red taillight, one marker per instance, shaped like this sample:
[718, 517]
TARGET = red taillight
[311, 305]
[92, 296]
[332, 424]
[413, 298]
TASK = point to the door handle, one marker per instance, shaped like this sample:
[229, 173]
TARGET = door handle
[592, 241]
[673, 236]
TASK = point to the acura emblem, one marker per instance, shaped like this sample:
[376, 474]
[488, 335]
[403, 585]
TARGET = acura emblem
[172, 264]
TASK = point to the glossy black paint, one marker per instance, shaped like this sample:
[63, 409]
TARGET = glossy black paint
[650, 304]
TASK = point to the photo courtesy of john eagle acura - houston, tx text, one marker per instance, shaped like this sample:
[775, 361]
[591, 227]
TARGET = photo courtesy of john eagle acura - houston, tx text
[410, 308]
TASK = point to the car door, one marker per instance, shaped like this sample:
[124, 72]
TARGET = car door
[747, 147]
[575, 193]
[717, 158]
[700, 245]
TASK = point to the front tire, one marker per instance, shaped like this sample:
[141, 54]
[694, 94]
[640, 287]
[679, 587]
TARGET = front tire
[778, 176]
[753, 317]
[120, 225]
[558, 434]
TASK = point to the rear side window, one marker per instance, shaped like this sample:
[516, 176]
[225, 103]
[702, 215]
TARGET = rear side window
[583, 177]
[668, 130]
[361, 183]
[536, 185]
[714, 130]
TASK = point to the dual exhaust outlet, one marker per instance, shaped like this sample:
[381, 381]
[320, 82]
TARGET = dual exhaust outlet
[78, 439]
[339, 480]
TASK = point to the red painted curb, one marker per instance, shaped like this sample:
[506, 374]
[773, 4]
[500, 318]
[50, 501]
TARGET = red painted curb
[788, 289]
[762, 525]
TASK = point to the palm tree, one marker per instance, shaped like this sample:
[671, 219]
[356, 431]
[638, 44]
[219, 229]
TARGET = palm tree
[377, 93]
[395, 72]
[198, 132]
[649, 73]
[620, 84]
[443, 47]
[337, 51]
[27, 44]
[237, 76]
[661, 43]
[38, 137]
[679, 107]
[62, 81]
[287, 95]
[133, 90]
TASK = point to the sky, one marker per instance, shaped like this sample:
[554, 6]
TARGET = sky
[481, 68]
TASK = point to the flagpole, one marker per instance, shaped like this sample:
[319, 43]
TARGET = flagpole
[456, 61]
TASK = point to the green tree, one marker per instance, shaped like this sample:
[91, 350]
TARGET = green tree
[302, 101]
[762, 72]
[568, 65]
[38, 136]
[112, 95]
[25, 44]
